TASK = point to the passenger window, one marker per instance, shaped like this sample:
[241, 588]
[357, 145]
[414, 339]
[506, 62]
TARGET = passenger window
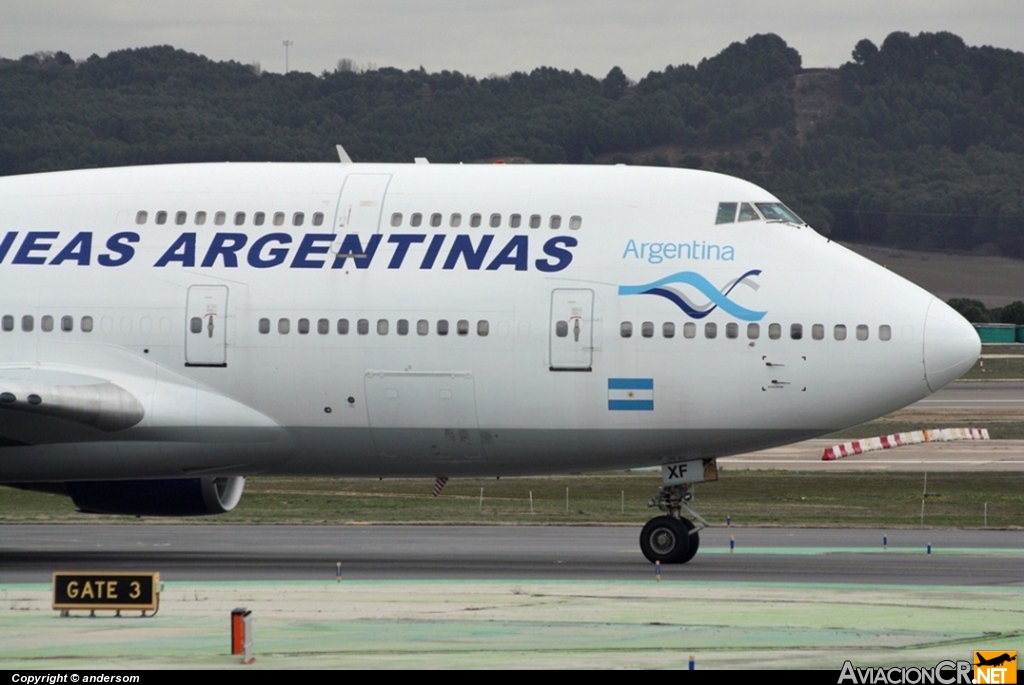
[180, 218]
[556, 221]
[67, 323]
[161, 217]
[884, 332]
[495, 220]
[283, 326]
[264, 326]
[774, 331]
[200, 218]
[382, 326]
[318, 219]
[748, 213]
[839, 332]
[416, 219]
[442, 327]
[298, 218]
[726, 213]
[796, 331]
[562, 328]
[279, 218]
[27, 323]
[46, 323]
[195, 324]
[474, 220]
[363, 326]
[259, 218]
[462, 327]
[483, 328]
[753, 331]
[535, 221]
[455, 220]
[403, 327]
[219, 218]
[8, 322]
[342, 326]
[818, 331]
[515, 220]
[626, 329]
[710, 330]
[862, 332]
[323, 326]
[303, 326]
[647, 329]
[732, 330]
[141, 217]
[689, 330]
[239, 218]
[87, 324]
[575, 223]
[668, 330]
[396, 219]
[435, 219]
[422, 327]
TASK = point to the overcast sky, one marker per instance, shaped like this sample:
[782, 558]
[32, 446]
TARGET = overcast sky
[482, 37]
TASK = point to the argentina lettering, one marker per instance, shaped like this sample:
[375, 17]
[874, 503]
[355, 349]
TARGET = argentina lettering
[298, 251]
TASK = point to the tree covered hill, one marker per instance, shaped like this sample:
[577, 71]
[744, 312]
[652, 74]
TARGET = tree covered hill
[916, 143]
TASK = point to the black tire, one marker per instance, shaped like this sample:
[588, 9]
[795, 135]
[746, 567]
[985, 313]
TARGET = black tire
[691, 550]
[664, 539]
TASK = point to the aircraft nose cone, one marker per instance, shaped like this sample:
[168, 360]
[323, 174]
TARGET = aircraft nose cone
[951, 345]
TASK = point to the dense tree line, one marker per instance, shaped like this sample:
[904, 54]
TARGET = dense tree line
[915, 143]
[975, 311]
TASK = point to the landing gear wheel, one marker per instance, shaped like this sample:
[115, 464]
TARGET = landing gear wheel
[665, 539]
[691, 550]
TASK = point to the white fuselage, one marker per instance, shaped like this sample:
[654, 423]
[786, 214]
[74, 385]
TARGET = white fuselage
[184, 320]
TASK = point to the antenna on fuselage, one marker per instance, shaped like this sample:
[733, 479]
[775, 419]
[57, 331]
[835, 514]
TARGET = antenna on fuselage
[343, 156]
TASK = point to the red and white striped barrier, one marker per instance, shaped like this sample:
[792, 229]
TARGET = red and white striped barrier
[884, 442]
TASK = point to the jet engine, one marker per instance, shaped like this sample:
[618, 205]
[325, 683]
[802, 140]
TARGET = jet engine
[179, 497]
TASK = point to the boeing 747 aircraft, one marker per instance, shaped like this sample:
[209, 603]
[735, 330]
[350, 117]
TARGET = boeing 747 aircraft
[167, 331]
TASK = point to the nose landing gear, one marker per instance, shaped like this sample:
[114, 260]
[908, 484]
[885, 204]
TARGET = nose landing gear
[672, 539]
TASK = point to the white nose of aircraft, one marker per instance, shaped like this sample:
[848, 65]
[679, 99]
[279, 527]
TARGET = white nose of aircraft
[951, 345]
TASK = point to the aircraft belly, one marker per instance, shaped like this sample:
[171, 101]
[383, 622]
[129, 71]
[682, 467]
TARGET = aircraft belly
[420, 452]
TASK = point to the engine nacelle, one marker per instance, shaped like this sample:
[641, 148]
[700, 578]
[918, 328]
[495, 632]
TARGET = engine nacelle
[179, 497]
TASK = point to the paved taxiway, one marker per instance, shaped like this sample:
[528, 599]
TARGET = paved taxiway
[781, 555]
[976, 395]
[517, 597]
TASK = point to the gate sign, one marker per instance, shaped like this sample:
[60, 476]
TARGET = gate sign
[113, 591]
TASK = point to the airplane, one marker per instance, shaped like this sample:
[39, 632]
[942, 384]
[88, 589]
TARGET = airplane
[994, 661]
[168, 331]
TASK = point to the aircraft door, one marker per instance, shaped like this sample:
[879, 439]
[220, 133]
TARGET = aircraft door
[206, 315]
[571, 329]
[361, 203]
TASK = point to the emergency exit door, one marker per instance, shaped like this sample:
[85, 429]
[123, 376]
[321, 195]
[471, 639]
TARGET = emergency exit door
[571, 329]
[206, 316]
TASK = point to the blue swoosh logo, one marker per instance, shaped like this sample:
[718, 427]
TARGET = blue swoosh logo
[719, 299]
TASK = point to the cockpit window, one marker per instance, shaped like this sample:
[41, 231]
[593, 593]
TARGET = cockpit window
[748, 213]
[776, 211]
[756, 211]
[726, 213]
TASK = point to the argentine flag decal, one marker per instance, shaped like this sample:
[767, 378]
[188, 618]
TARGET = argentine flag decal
[630, 394]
